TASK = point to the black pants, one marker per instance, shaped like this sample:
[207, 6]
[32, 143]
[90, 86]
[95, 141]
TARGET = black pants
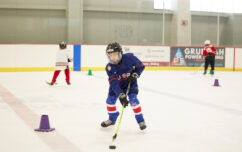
[210, 59]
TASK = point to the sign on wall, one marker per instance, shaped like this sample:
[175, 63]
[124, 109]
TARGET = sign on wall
[193, 56]
[151, 56]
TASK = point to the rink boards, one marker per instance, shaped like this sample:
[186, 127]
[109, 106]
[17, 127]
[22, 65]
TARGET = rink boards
[41, 57]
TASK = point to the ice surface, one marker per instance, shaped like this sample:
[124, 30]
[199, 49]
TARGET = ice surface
[183, 112]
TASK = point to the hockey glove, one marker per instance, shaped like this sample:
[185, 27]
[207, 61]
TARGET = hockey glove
[123, 99]
[133, 77]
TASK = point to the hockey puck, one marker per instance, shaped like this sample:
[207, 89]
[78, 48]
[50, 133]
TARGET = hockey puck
[112, 147]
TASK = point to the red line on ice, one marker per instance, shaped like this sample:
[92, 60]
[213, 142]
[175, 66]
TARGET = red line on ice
[55, 141]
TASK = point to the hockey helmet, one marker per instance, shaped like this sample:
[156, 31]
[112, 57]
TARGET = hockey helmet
[111, 49]
[62, 45]
[207, 42]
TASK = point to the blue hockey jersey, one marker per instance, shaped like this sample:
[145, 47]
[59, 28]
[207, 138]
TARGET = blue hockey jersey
[119, 73]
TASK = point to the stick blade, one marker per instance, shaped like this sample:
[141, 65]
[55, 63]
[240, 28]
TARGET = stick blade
[114, 136]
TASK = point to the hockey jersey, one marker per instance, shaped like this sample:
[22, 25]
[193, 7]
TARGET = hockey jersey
[62, 57]
[119, 73]
[209, 50]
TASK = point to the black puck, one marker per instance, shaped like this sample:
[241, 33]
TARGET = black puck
[112, 147]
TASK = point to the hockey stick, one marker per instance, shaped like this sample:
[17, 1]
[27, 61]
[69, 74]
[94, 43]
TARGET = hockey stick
[198, 69]
[119, 122]
[49, 83]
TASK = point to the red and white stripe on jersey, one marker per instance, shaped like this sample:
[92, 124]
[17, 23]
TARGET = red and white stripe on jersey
[137, 109]
[111, 108]
[112, 79]
[122, 79]
[61, 63]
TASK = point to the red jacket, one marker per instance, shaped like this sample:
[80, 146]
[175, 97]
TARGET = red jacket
[209, 50]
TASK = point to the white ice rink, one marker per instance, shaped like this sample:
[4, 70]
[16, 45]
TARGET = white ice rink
[183, 112]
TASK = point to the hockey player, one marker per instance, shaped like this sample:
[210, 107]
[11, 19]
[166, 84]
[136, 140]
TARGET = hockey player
[209, 53]
[62, 58]
[122, 69]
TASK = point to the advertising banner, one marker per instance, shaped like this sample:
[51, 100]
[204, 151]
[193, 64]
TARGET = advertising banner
[193, 56]
[151, 56]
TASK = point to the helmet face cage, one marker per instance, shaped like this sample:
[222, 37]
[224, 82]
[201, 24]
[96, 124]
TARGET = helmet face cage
[62, 45]
[114, 47]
